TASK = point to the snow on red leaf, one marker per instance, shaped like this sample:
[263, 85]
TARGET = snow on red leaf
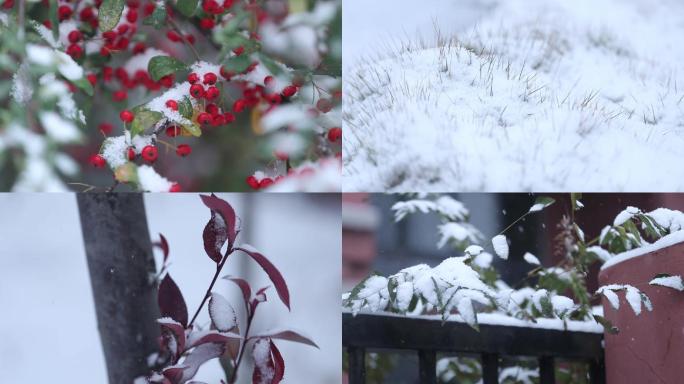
[264, 369]
[176, 329]
[171, 302]
[273, 274]
[222, 313]
[215, 235]
[188, 368]
[226, 211]
[278, 364]
[286, 334]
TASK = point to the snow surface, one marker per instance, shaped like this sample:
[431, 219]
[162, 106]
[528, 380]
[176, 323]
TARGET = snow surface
[535, 94]
[500, 244]
[48, 262]
[151, 181]
[663, 242]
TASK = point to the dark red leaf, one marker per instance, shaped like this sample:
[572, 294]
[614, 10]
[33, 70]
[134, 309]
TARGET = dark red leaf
[278, 364]
[244, 287]
[176, 329]
[273, 274]
[193, 361]
[287, 334]
[214, 236]
[215, 337]
[171, 302]
[174, 374]
[164, 245]
[226, 211]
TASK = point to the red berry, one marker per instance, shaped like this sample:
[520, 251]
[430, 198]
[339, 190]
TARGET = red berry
[87, 14]
[92, 78]
[148, 9]
[239, 105]
[207, 23]
[97, 161]
[193, 78]
[228, 3]
[289, 91]
[74, 36]
[218, 120]
[324, 105]
[172, 104]
[132, 16]
[175, 188]
[166, 81]
[173, 131]
[149, 153]
[239, 50]
[64, 12]
[268, 80]
[173, 36]
[131, 154]
[212, 109]
[212, 93]
[122, 29]
[274, 98]
[109, 35]
[105, 128]
[334, 134]
[197, 91]
[74, 50]
[119, 95]
[126, 116]
[225, 73]
[252, 182]
[204, 118]
[210, 78]
[183, 150]
[228, 117]
[138, 48]
[190, 38]
[265, 182]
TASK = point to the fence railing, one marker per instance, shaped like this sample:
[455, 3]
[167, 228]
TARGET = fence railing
[428, 337]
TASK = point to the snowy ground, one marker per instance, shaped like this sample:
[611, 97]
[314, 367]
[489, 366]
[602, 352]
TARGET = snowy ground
[48, 328]
[526, 95]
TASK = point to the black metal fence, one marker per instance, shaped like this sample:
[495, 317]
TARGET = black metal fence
[428, 337]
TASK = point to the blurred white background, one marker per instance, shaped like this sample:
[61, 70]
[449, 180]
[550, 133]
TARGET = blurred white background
[48, 331]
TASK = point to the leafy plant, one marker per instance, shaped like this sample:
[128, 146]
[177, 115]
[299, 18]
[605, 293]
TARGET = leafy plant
[185, 345]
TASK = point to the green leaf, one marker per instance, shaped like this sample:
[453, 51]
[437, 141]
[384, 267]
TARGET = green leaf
[160, 66]
[53, 19]
[574, 198]
[541, 202]
[237, 64]
[186, 7]
[607, 325]
[85, 85]
[143, 118]
[109, 14]
[270, 64]
[157, 19]
[185, 107]
[193, 128]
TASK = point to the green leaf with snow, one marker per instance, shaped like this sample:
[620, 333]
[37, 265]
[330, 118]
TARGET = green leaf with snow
[270, 64]
[185, 107]
[160, 66]
[157, 19]
[193, 128]
[541, 203]
[665, 280]
[54, 21]
[143, 118]
[237, 64]
[607, 325]
[186, 7]
[85, 85]
[109, 14]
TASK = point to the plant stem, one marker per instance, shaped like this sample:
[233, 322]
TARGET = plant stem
[219, 267]
[175, 26]
[233, 376]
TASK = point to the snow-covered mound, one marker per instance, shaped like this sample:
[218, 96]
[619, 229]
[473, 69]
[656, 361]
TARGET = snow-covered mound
[540, 95]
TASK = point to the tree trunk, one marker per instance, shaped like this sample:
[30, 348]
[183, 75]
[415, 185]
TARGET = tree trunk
[121, 265]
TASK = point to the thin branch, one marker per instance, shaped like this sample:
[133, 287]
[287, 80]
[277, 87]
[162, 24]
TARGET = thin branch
[219, 267]
[176, 28]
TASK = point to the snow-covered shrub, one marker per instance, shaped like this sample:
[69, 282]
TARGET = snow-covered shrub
[467, 288]
[185, 345]
[172, 71]
[534, 95]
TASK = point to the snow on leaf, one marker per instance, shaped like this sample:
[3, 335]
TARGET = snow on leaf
[264, 369]
[189, 366]
[176, 329]
[612, 298]
[222, 313]
[171, 302]
[272, 272]
[215, 234]
[531, 259]
[625, 215]
[226, 211]
[634, 299]
[601, 253]
[500, 244]
[151, 181]
[541, 203]
[473, 250]
[674, 282]
[467, 312]
[109, 14]
[286, 334]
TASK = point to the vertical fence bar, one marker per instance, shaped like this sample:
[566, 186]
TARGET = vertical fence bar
[490, 368]
[427, 366]
[357, 365]
[597, 372]
[547, 372]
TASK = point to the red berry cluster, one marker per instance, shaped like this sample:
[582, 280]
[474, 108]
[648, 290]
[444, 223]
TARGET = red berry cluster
[264, 182]
[212, 12]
